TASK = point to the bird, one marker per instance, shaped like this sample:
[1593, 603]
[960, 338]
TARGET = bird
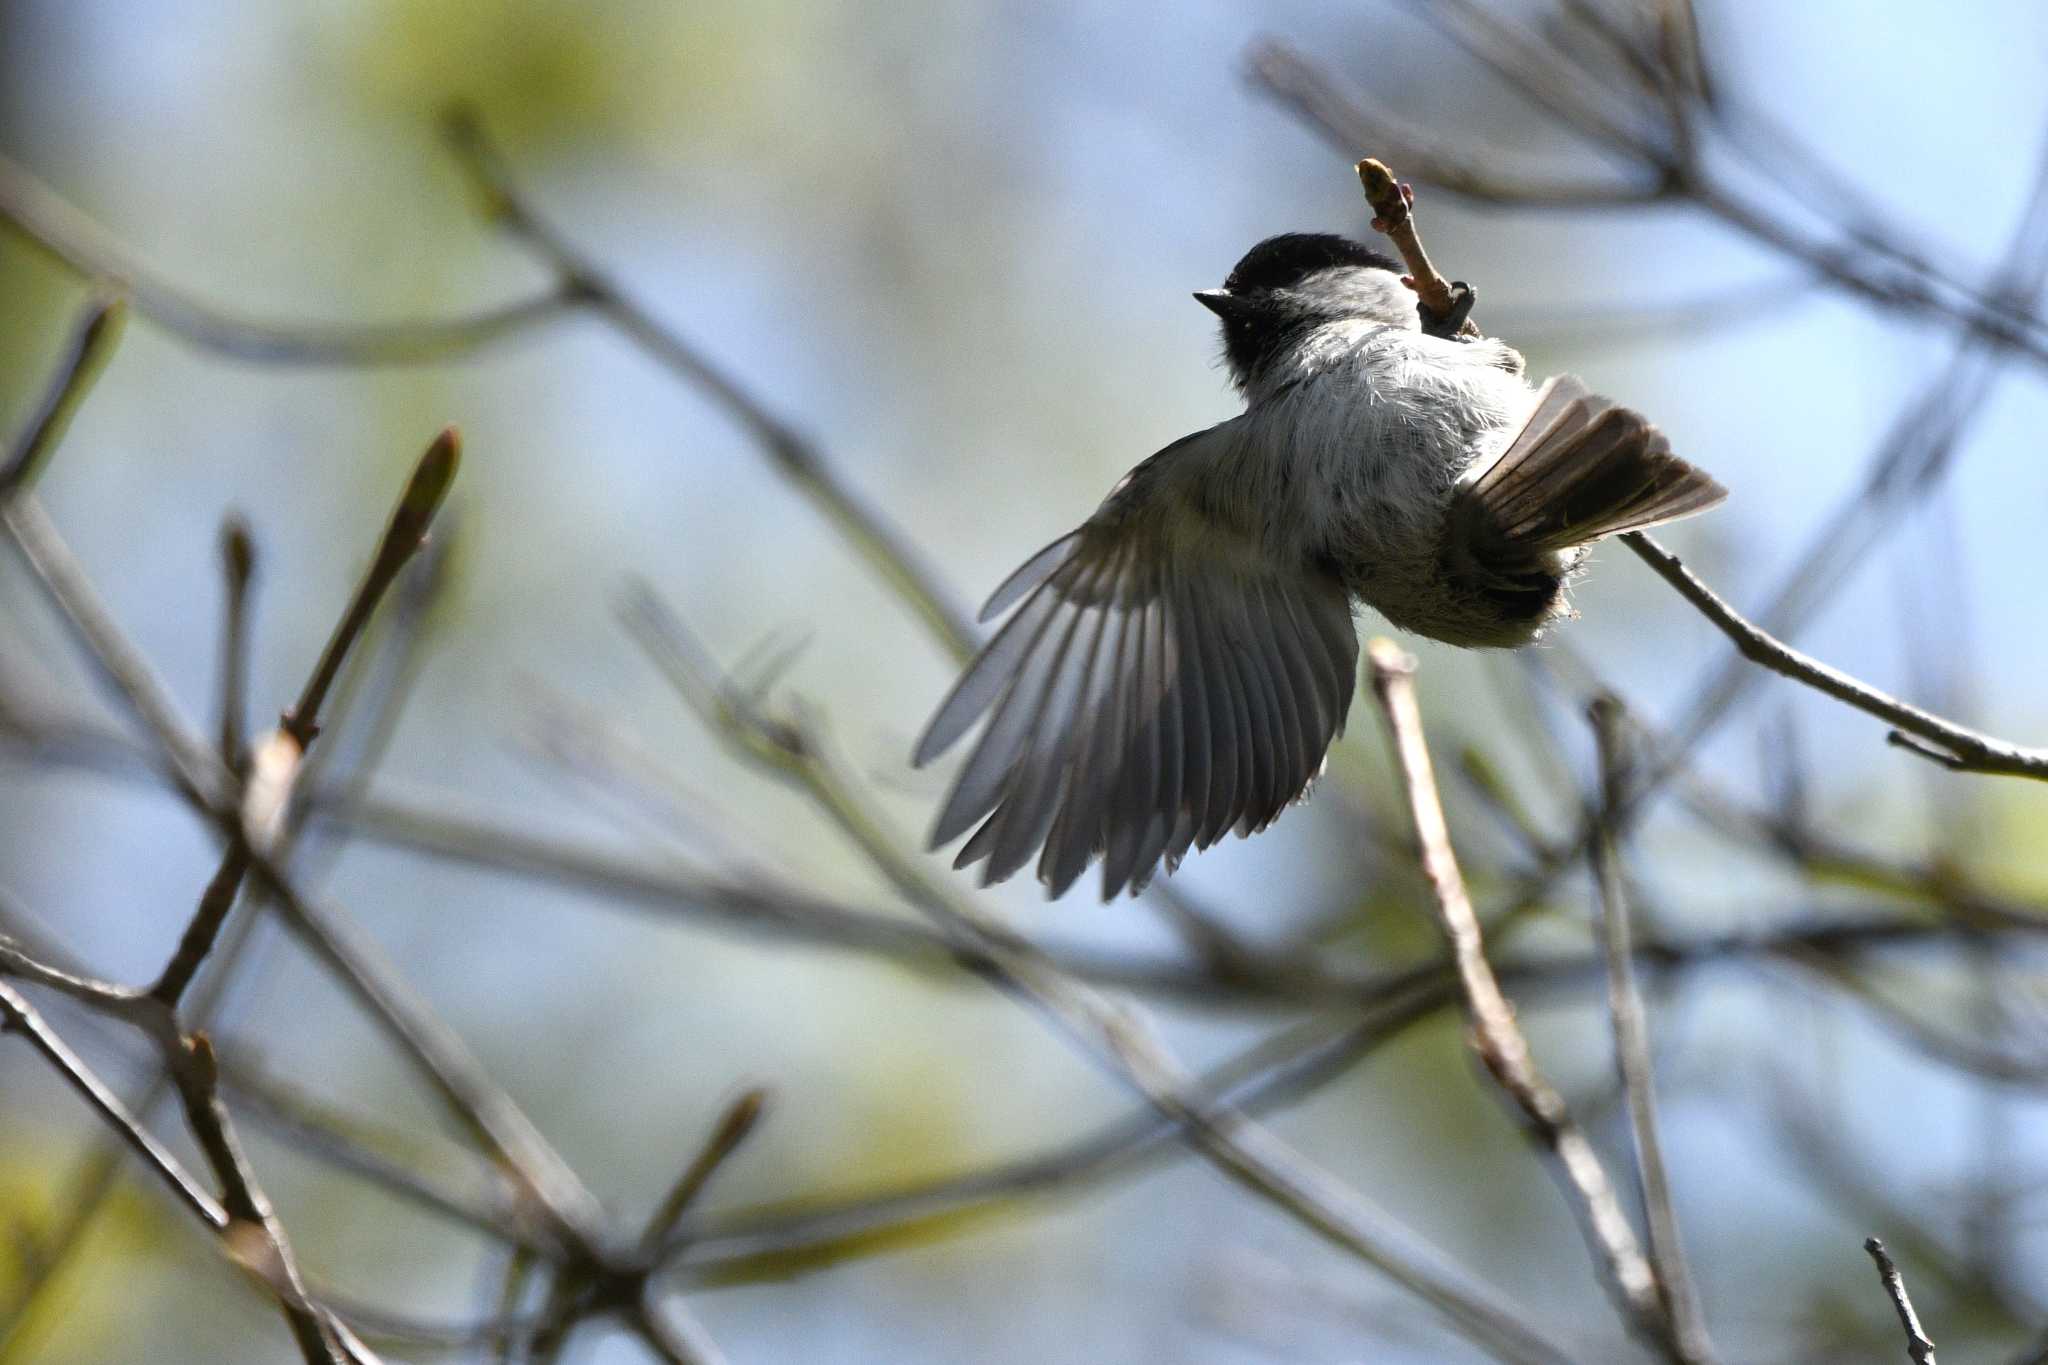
[1177, 667]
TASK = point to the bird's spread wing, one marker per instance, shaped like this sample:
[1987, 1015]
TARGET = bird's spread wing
[1163, 681]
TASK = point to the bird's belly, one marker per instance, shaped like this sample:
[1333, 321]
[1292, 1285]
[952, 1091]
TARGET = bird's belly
[1414, 588]
[1374, 477]
[1385, 538]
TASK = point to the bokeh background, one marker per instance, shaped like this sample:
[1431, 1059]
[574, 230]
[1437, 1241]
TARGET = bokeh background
[954, 244]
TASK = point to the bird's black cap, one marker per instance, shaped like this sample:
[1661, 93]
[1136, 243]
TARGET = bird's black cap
[1258, 321]
[1291, 257]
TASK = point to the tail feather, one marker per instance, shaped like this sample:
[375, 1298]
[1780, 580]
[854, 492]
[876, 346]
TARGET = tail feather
[1582, 468]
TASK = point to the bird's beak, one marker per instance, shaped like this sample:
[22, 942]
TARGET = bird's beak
[1221, 302]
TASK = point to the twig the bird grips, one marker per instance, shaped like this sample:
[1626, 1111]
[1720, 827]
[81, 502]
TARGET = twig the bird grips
[1446, 307]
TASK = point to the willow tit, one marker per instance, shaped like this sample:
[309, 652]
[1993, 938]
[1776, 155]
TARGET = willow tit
[1181, 663]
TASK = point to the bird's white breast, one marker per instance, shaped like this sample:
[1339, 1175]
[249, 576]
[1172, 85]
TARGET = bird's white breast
[1372, 427]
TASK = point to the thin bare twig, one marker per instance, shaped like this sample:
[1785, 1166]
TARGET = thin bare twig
[1570, 90]
[798, 458]
[1917, 450]
[446, 1061]
[482, 1197]
[85, 354]
[734, 1126]
[116, 1001]
[1496, 1037]
[22, 1017]
[83, 1195]
[1632, 1056]
[241, 1221]
[1393, 207]
[254, 1237]
[250, 1233]
[1308, 88]
[1918, 1346]
[404, 534]
[45, 218]
[300, 726]
[238, 570]
[1281, 1068]
[1954, 745]
[186, 758]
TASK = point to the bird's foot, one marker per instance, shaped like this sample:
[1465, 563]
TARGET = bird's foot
[1451, 323]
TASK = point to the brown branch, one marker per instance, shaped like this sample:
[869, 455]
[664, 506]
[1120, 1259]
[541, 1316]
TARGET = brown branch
[190, 763]
[573, 1217]
[734, 1126]
[1393, 206]
[482, 1197]
[1281, 1068]
[238, 570]
[254, 1237]
[1954, 745]
[1572, 90]
[86, 1193]
[46, 219]
[116, 1001]
[446, 1062]
[1496, 1037]
[1632, 1054]
[300, 726]
[403, 536]
[17, 1015]
[1292, 79]
[74, 239]
[1562, 83]
[1785, 834]
[865, 527]
[1916, 451]
[1918, 1347]
[241, 1220]
[85, 354]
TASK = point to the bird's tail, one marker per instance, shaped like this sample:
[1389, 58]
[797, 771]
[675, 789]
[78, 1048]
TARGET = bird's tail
[1583, 467]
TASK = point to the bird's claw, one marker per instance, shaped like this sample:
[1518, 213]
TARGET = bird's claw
[1449, 323]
